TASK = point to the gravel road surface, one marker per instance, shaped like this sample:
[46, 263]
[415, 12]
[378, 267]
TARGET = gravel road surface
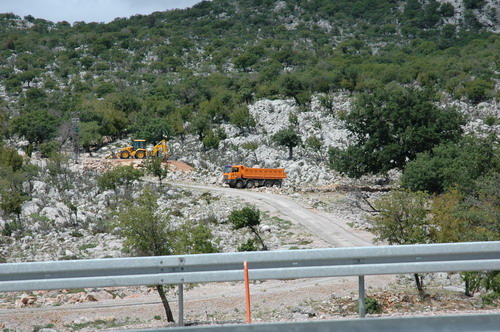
[331, 228]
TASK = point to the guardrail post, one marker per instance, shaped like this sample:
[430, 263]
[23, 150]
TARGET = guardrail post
[181, 304]
[247, 291]
[361, 296]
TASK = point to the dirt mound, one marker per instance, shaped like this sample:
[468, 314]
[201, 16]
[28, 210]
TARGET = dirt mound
[176, 165]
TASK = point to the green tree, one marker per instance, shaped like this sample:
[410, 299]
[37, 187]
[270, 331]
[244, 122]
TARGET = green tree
[12, 177]
[248, 217]
[352, 46]
[194, 239]
[113, 122]
[293, 119]
[478, 90]
[35, 99]
[87, 62]
[177, 124]
[59, 172]
[151, 127]
[27, 76]
[294, 86]
[479, 209]
[473, 215]
[473, 4]
[36, 126]
[447, 9]
[445, 216]
[11, 202]
[314, 143]
[211, 141]
[148, 232]
[402, 219]
[89, 135]
[245, 61]
[448, 31]
[12, 197]
[13, 85]
[201, 125]
[453, 164]
[216, 108]
[155, 167]
[391, 126]
[287, 137]
[242, 118]
[9, 158]
[119, 176]
[104, 88]
[48, 149]
[4, 121]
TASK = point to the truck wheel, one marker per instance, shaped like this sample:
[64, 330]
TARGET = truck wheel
[239, 184]
[268, 184]
[250, 184]
[124, 155]
[277, 184]
[140, 155]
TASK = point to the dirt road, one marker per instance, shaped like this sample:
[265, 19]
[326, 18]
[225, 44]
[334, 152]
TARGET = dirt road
[331, 228]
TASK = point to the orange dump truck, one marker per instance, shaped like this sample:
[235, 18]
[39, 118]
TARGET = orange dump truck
[239, 176]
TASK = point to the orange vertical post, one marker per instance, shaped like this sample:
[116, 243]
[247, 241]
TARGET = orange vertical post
[247, 292]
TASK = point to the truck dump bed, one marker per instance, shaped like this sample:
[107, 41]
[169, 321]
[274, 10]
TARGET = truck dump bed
[263, 173]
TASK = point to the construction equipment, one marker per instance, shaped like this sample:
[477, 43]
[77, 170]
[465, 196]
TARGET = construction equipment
[239, 176]
[138, 150]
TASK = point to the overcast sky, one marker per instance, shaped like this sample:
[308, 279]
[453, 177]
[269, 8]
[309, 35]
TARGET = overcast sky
[88, 10]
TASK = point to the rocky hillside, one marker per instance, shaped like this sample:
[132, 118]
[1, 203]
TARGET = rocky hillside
[67, 215]
[309, 166]
[221, 92]
[223, 81]
[197, 70]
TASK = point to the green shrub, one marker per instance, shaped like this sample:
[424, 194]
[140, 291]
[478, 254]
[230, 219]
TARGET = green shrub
[452, 164]
[211, 141]
[248, 246]
[121, 175]
[478, 90]
[10, 227]
[372, 306]
[49, 149]
[490, 299]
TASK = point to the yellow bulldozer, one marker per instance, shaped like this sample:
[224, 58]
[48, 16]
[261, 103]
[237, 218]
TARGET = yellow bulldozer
[138, 150]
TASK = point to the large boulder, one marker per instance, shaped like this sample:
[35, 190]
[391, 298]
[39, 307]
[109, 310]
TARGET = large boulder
[31, 207]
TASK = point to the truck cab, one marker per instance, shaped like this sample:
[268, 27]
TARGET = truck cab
[231, 169]
[231, 175]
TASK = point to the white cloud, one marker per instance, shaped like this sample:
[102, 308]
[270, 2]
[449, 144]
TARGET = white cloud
[89, 10]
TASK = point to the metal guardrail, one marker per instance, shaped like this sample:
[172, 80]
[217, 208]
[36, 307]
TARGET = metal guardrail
[451, 323]
[289, 264]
